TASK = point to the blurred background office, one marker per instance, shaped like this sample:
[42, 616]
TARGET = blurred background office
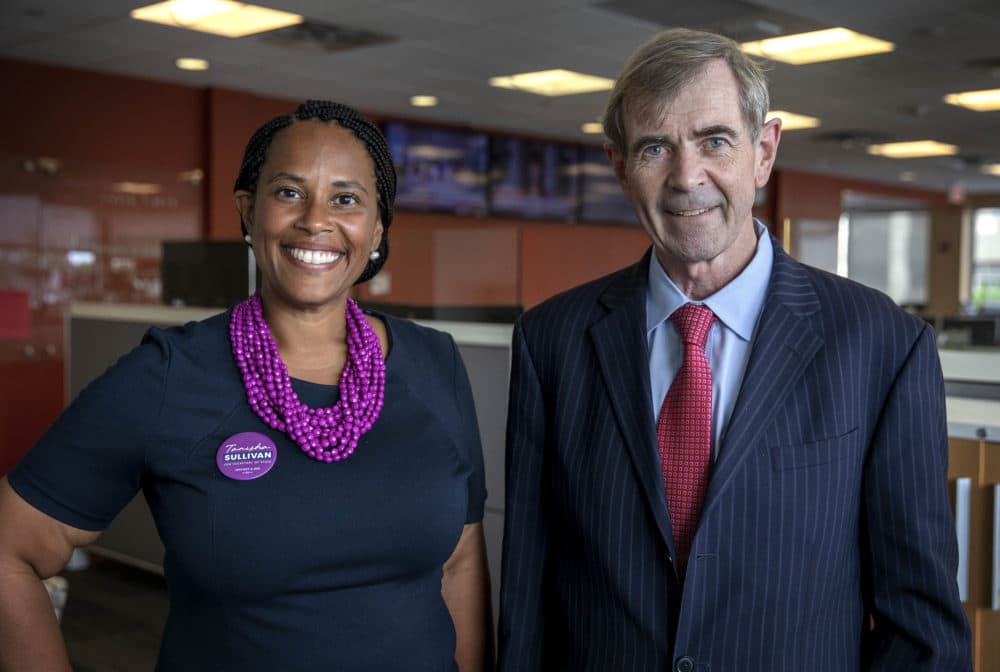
[124, 122]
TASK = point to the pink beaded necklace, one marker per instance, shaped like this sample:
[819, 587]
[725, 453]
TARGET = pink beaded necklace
[325, 434]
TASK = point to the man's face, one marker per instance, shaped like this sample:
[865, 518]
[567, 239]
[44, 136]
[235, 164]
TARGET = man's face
[691, 170]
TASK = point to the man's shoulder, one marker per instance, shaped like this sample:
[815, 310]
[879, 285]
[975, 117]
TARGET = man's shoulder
[847, 299]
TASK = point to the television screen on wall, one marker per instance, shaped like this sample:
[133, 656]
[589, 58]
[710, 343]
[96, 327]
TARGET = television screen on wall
[438, 169]
[533, 178]
[601, 197]
[210, 273]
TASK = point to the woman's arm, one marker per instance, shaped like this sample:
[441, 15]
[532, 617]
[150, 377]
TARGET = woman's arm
[33, 546]
[465, 586]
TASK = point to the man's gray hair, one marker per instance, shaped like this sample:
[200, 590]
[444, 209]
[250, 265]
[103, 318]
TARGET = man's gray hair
[670, 60]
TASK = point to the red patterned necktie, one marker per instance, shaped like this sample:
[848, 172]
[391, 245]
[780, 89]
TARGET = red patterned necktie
[684, 430]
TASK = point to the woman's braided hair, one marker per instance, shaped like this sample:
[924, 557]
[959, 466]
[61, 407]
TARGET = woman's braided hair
[369, 135]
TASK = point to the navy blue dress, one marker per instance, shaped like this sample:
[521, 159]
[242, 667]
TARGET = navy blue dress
[311, 566]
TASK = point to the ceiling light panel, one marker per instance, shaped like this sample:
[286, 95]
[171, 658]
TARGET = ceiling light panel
[219, 17]
[913, 150]
[832, 44]
[793, 122]
[987, 100]
[423, 101]
[553, 82]
[194, 64]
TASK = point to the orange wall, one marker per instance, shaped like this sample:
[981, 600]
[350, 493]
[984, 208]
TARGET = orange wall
[232, 117]
[99, 129]
[555, 257]
[78, 114]
[440, 259]
[444, 260]
[805, 195]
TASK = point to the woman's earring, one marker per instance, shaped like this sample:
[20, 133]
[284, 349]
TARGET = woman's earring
[375, 255]
[248, 239]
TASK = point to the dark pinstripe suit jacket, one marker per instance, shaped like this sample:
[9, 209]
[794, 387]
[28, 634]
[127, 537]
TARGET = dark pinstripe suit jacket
[827, 503]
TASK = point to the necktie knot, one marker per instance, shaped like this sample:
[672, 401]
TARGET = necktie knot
[693, 322]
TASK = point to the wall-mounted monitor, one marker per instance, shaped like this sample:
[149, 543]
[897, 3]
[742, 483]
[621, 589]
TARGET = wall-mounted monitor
[601, 197]
[533, 178]
[207, 273]
[439, 169]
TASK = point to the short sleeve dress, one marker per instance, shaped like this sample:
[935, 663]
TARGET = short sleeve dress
[309, 566]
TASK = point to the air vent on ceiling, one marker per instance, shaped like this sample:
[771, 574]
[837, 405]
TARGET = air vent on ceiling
[966, 162]
[852, 139]
[991, 65]
[741, 21]
[325, 36]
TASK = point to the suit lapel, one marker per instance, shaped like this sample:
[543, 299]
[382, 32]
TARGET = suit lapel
[785, 343]
[619, 340]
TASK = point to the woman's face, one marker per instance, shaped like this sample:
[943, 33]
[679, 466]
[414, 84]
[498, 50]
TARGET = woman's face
[314, 219]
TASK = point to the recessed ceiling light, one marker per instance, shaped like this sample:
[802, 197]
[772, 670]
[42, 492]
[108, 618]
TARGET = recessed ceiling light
[913, 150]
[986, 100]
[219, 17]
[423, 101]
[553, 82]
[831, 44]
[191, 63]
[991, 168]
[592, 127]
[793, 122]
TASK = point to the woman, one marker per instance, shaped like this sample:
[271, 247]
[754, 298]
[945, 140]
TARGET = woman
[315, 473]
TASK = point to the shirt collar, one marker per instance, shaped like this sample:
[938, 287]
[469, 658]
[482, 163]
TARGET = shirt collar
[737, 305]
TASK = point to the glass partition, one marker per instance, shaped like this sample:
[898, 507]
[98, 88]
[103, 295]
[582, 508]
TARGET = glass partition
[984, 294]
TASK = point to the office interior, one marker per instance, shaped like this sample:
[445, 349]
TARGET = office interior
[116, 207]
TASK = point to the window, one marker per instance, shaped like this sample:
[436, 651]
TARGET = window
[887, 250]
[984, 289]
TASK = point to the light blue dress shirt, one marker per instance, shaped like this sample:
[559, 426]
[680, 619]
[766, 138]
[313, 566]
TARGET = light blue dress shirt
[737, 306]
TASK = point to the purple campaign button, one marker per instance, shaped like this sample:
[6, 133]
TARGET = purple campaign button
[246, 456]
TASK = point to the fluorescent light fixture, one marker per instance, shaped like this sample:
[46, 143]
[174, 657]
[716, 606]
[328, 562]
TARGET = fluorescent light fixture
[992, 169]
[553, 82]
[592, 127]
[907, 176]
[913, 150]
[793, 122]
[188, 63]
[831, 44]
[219, 17]
[986, 100]
[138, 188]
[423, 101]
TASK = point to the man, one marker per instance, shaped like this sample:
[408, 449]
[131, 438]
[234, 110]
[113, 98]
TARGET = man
[720, 459]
